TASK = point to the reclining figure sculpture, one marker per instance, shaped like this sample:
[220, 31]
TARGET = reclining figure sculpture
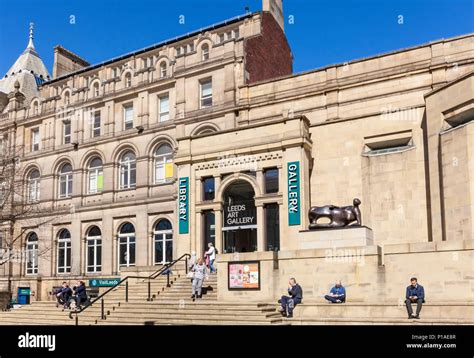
[339, 216]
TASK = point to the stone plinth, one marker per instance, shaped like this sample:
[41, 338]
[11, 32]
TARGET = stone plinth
[349, 236]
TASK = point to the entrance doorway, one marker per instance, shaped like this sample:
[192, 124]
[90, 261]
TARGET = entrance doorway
[239, 225]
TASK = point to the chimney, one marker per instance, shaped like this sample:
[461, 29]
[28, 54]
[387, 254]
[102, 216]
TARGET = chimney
[275, 7]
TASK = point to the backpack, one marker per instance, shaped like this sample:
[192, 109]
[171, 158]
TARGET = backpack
[215, 251]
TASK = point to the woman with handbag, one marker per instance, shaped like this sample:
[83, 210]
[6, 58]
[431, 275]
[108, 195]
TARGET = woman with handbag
[199, 273]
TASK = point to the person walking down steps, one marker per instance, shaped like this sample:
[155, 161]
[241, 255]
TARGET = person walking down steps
[199, 273]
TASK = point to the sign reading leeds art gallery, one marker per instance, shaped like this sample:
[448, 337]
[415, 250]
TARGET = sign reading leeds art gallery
[294, 210]
[183, 205]
[240, 214]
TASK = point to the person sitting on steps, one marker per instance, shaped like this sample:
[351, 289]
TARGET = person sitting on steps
[64, 295]
[337, 293]
[199, 270]
[415, 294]
[81, 294]
[288, 303]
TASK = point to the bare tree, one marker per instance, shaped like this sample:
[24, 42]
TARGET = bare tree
[20, 208]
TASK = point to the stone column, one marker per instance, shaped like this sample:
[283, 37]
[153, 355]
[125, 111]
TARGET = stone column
[260, 228]
[218, 229]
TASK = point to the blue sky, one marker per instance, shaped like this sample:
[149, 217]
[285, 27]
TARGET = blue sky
[323, 33]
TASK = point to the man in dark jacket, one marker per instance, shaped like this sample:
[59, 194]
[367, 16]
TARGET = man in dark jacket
[64, 295]
[81, 294]
[415, 294]
[288, 303]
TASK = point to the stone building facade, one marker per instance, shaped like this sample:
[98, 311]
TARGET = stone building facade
[210, 137]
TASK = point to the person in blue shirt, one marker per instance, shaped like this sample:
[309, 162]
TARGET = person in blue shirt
[415, 294]
[337, 293]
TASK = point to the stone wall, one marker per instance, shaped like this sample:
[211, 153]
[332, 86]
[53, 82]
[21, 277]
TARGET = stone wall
[444, 269]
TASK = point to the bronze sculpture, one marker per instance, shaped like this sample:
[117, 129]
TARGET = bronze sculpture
[339, 216]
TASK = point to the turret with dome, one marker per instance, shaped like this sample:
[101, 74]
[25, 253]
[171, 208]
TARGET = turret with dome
[28, 71]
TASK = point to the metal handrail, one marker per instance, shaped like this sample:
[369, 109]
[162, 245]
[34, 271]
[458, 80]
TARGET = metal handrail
[153, 276]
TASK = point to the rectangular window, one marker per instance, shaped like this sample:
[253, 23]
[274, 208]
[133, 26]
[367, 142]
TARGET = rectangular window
[96, 180]
[64, 256]
[95, 124]
[35, 139]
[67, 132]
[94, 255]
[271, 180]
[208, 187]
[206, 93]
[127, 251]
[221, 38]
[236, 34]
[128, 116]
[272, 227]
[209, 227]
[164, 114]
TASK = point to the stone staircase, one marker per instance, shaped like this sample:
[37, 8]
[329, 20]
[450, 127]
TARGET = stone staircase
[169, 306]
[362, 313]
[174, 306]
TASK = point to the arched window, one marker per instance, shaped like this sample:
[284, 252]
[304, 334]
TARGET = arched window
[67, 98]
[128, 80]
[205, 52]
[128, 170]
[94, 250]
[64, 252]
[33, 186]
[163, 164]
[96, 90]
[163, 69]
[65, 181]
[32, 254]
[126, 245]
[35, 108]
[95, 174]
[163, 242]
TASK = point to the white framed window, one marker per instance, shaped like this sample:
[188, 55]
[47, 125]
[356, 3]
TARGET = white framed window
[163, 69]
[164, 106]
[205, 52]
[64, 252]
[32, 254]
[35, 108]
[96, 90]
[35, 139]
[65, 181]
[236, 34]
[94, 250]
[128, 116]
[33, 186]
[128, 171]
[206, 93]
[221, 38]
[95, 175]
[96, 125]
[66, 132]
[163, 242]
[128, 80]
[67, 98]
[164, 164]
[126, 245]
